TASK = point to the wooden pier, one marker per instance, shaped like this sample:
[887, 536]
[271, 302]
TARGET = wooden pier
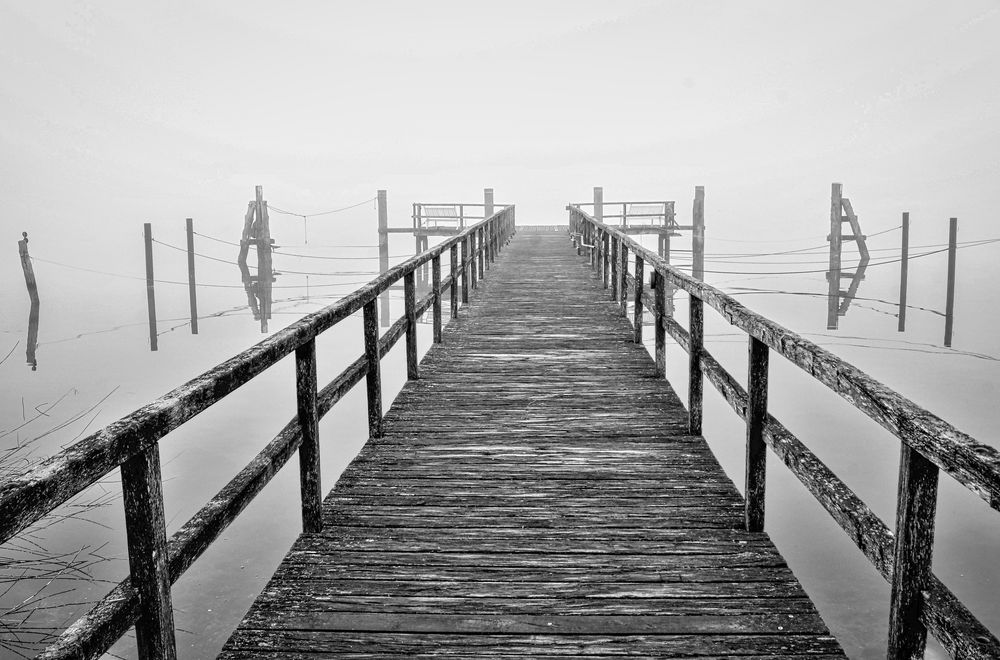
[536, 492]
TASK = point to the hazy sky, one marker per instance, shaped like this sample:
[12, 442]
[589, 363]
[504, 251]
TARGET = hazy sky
[118, 112]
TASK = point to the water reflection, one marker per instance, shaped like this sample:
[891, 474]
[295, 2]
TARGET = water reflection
[32, 286]
[259, 287]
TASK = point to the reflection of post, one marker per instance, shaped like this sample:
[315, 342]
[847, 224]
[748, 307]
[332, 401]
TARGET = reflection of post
[383, 253]
[147, 231]
[698, 234]
[833, 276]
[29, 281]
[949, 307]
[264, 264]
[904, 259]
[599, 203]
[192, 289]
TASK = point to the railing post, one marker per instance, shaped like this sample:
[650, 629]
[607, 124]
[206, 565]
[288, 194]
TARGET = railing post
[454, 281]
[605, 264]
[436, 283]
[374, 376]
[484, 263]
[696, 344]
[192, 287]
[309, 466]
[756, 454]
[615, 286]
[915, 507]
[142, 493]
[475, 274]
[659, 332]
[410, 302]
[624, 272]
[640, 276]
[465, 270]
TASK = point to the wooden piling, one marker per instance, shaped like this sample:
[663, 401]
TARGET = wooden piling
[147, 232]
[638, 305]
[465, 270]
[615, 286]
[599, 203]
[383, 251]
[696, 340]
[904, 261]
[32, 286]
[756, 450]
[487, 202]
[659, 332]
[309, 464]
[410, 304]
[833, 275]
[949, 306]
[453, 252]
[436, 284]
[698, 234]
[192, 288]
[624, 271]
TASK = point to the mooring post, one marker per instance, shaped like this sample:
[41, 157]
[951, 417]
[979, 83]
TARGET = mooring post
[640, 278]
[436, 284]
[192, 288]
[916, 501]
[374, 376]
[833, 276]
[147, 232]
[696, 341]
[904, 259]
[309, 464]
[949, 306]
[599, 203]
[698, 234]
[756, 453]
[383, 251]
[659, 332]
[454, 281]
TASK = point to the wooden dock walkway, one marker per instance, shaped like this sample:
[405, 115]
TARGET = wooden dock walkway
[535, 493]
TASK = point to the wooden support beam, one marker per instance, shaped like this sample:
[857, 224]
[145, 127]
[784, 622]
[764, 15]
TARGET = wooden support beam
[374, 375]
[146, 533]
[308, 417]
[916, 502]
[756, 451]
[410, 303]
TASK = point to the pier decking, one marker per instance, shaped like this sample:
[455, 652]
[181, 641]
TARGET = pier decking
[535, 493]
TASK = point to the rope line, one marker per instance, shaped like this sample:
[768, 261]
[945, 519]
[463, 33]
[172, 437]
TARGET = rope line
[276, 209]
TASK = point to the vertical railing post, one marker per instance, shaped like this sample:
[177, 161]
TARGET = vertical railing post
[454, 281]
[484, 263]
[624, 272]
[659, 332]
[410, 304]
[615, 286]
[640, 277]
[904, 264]
[605, 261]
[192, 288]
[309, 466]
[696, 345]
[756, 453]
[142, 494]
[374, 375]
[475, 274]
[915, 508]
[436, 283]
[147, 233]
[465, 270]
[949, 305]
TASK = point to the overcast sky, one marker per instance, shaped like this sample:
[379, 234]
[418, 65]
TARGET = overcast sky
[116, 112]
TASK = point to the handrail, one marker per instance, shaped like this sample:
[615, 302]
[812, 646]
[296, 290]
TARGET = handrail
[132, 443]
[919, 600]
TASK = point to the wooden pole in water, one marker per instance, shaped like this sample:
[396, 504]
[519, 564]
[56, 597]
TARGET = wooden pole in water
[192, 288]
[488, 202]
[383, 251]
[698, 235]
[32, 285]
[949, 306]
[903, 267]
[833, 275]
[599, 203]
[147, 232]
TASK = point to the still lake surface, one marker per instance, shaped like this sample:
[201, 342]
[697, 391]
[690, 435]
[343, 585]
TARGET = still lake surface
[94, 365]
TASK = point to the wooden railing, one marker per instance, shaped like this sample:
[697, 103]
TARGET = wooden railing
[919, 601]
[131, 443]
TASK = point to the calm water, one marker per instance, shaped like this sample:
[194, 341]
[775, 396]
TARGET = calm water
[94, 365]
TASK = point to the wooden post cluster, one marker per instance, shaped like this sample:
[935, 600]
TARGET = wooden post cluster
[192, 287]
[904, 263]
[147, 233]
[949, 306]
